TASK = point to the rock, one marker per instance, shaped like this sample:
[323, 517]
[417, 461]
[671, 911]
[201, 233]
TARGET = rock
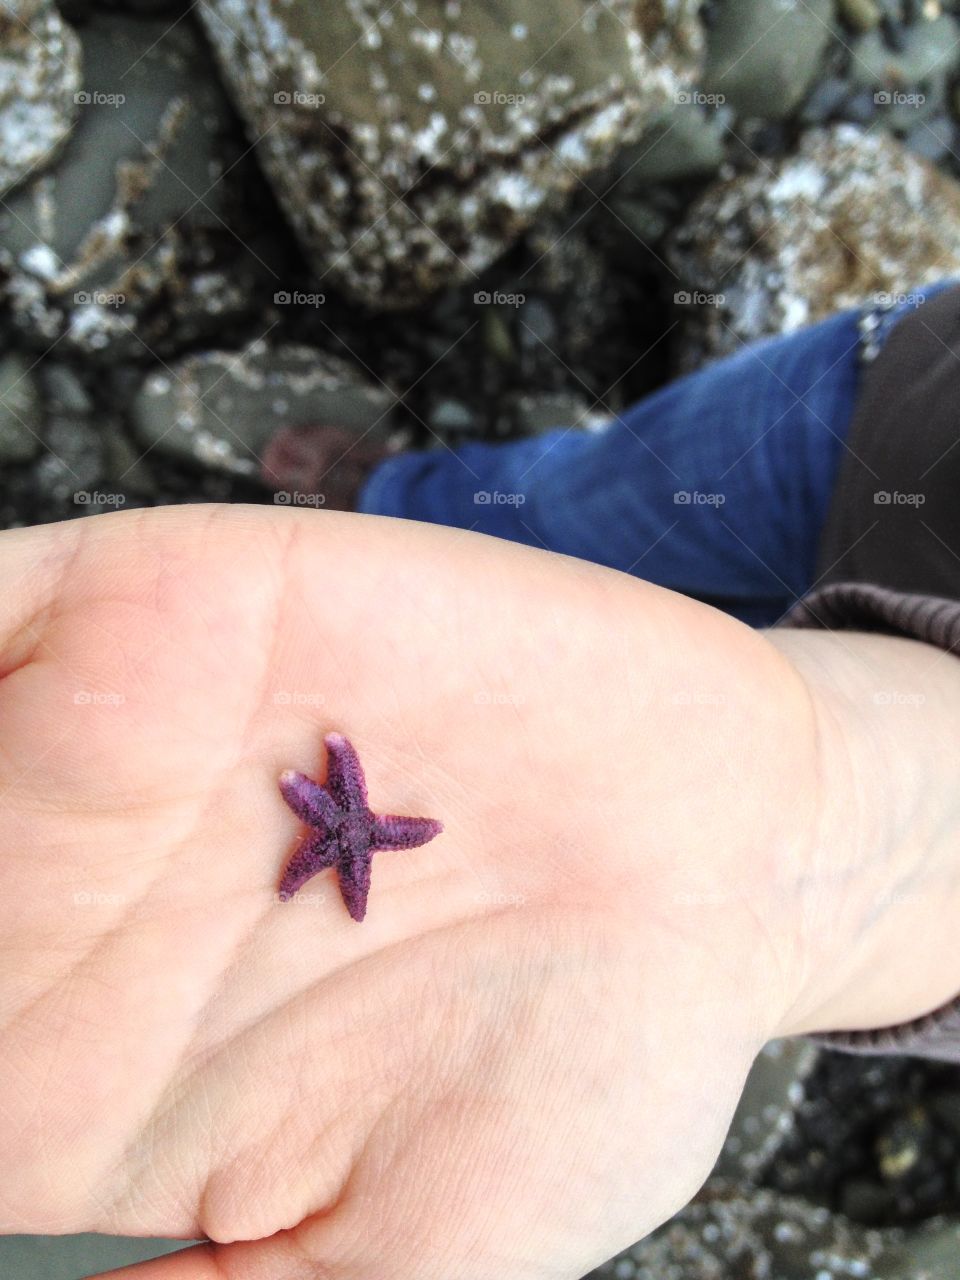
[220, 408]
[865, 1201]
[20, 411]
[826, 99]
[775, 1088]
[73, 463]
[135, 242]
[63, 389]
[933, 140]
[759, 1234]
[686, 143]
[451, 416]
[763, 54]
[861, 15]
[39, 76]
[439, 130]
[126, 468]
[530, 413]
[908, 84]
[847, 215]
[902, 1145]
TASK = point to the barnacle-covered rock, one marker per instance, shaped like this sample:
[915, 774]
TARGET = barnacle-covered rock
[134, 242]
[39, 76]
[410, 144]
[221, 407]
[849, 215]
[757, 1234]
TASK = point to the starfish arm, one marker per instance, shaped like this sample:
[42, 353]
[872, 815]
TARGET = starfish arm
[390, 832]
[354, 876]
[309, 801]
[345, 780]
[316, 853]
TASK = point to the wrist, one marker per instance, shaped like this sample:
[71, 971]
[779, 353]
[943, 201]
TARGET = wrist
[876, 910]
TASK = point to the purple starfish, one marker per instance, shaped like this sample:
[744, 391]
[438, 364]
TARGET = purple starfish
[345, 833]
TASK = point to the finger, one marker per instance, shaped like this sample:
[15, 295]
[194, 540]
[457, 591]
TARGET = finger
[275, 1259]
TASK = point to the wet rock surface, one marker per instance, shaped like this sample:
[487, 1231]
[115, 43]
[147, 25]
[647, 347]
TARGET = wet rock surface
[758, 1234]
[847, 215]
[39, 76]
[137, 240]
[411, 144]
[223, 407]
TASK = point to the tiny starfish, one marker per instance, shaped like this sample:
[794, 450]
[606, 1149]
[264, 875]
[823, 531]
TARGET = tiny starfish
[345, 833]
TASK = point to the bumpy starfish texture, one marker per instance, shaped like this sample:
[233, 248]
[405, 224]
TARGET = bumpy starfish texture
[345, 834]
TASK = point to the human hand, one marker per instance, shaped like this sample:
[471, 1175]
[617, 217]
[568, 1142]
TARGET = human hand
[528, 1054]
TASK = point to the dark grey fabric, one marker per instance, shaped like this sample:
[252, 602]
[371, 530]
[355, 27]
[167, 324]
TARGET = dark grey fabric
[889, 556]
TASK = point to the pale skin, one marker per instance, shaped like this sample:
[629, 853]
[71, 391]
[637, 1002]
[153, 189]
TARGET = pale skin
[666, 840]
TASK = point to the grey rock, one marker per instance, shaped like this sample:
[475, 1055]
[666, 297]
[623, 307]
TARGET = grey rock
[763, 54]
[39, 76]
[451, 415]
[729, 1230]
[73, 463]
[775, 1088]
[825, 99]
[20, 410]
[530, 413]
[130, 243]
[933, 139]
[861, 108]
[908, 84]
[864, 1200]
[125, 466]
[220, 408]
[411, 144]
[945, 1107]
[686, 143]
[848, 215]
[861, 15]
[63, 388]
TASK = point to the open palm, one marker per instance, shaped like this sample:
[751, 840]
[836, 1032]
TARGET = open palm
[501, 1071]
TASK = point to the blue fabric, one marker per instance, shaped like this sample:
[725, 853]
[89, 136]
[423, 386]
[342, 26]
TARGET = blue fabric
[716, 485]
